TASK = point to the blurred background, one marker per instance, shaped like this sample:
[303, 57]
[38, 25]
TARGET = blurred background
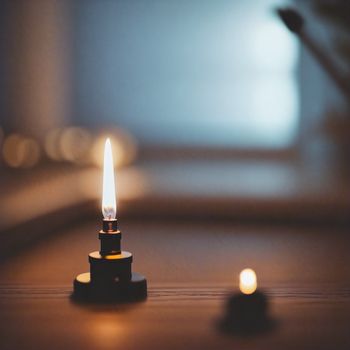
[215, 110]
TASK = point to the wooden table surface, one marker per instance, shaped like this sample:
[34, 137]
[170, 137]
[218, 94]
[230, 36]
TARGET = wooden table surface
[191, 267]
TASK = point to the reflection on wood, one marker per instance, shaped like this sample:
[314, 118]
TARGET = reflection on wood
[173, 317]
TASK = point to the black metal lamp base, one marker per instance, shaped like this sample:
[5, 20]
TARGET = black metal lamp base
[133, 290]
[110, 278]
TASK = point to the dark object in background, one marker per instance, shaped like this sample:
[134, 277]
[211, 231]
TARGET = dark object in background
[295, 23]
[337, 14]
[336, 126]
[292, 19]
[110, 278]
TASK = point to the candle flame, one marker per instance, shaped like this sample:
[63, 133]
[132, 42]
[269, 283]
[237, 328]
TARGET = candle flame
[247, 281]
[109, 206]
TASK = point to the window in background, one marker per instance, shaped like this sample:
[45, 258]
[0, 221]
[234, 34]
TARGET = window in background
[187, 72]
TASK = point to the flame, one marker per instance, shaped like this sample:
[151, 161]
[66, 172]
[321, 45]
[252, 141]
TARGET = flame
[109, 206]
[247, 281]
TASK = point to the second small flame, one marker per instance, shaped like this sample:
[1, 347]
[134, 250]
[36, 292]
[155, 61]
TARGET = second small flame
[247, 281]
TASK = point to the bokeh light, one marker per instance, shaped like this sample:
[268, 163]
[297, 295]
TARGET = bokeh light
[21, 152]
[51, 144]
[74, 144]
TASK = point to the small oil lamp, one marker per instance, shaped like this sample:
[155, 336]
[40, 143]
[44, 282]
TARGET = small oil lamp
[110, 277]
[246, 311]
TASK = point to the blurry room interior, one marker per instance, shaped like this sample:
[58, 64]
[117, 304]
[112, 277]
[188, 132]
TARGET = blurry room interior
[214, 108]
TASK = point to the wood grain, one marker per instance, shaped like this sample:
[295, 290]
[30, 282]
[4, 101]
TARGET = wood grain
[191, 268]
[173, 317]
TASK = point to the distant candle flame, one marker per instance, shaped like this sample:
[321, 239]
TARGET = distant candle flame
[247, 281]
[109, 206]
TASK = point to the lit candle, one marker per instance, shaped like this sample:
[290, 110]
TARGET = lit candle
[246, 310]
[110, 277]
[109, 205]
[247, 281]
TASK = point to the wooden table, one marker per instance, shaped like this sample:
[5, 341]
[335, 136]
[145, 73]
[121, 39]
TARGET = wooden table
[191, 267]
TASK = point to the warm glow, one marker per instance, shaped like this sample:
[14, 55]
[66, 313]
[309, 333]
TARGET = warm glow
[21, 152]
[109, 206]
[247, 281]
[124, 148]
[74, 144]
